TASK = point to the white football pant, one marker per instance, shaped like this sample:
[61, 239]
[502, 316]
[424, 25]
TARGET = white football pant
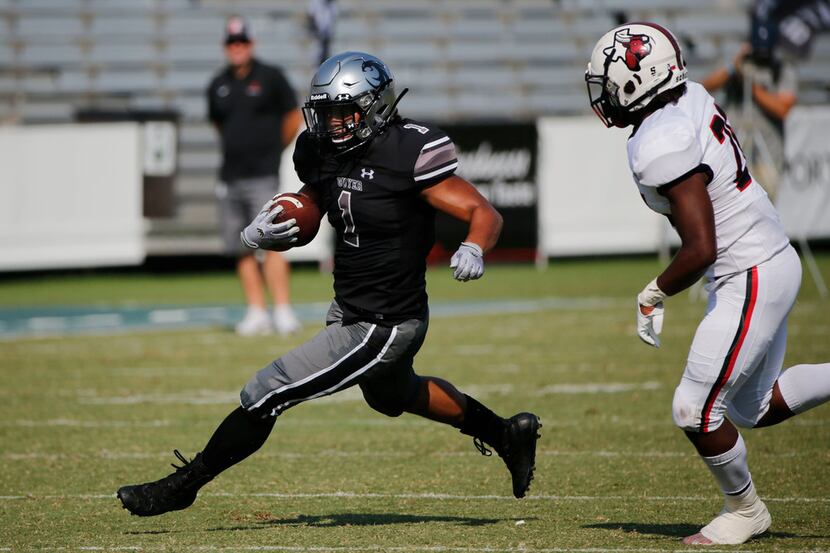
[738, 349]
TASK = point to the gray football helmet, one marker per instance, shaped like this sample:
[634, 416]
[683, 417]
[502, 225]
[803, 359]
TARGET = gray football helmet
[352, 98]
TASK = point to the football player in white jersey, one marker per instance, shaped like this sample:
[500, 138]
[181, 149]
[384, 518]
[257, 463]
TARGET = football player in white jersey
[688, 165]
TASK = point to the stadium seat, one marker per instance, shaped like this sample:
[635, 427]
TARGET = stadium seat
[552, 79]
[198, 135]
[47, 112]
[480, 104]
[431, 78]
[207, 27]
[123, 55]
[119, 7]
[397, 54]
[40, 84]
[7, 85]
[48, 7]
[427, 105]
[118, 28]
[186, 81]
[185, 52]
[496, 77]
[541, 102]
[126, 81]
[409, 28]
[462, 53]
[709, 24]
[74, 81]
[193, 107]
[7, 55]
[34, 28]
[464, 28]
[53, 55]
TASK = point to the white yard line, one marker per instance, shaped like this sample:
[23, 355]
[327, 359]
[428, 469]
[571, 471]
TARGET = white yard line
[86, 424]
[428, 497]
[333, 453]
[598, 388]
[401, 549]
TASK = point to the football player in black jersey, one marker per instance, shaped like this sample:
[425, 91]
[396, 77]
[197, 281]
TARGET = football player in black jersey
[380, 179]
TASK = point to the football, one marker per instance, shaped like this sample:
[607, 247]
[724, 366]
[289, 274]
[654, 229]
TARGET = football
[304, 210]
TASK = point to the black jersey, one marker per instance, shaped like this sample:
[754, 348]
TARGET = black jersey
[249, 114]
[385, 229]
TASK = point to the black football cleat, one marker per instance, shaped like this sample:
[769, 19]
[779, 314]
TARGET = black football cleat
[172, 493]
[518, 450]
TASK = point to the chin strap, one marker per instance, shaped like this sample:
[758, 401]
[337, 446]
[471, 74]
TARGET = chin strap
[397, 100]
[382, 121]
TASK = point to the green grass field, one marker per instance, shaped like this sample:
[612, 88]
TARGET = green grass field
[82, 415]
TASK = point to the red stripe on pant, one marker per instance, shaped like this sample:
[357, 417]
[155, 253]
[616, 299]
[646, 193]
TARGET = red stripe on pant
[734, 349]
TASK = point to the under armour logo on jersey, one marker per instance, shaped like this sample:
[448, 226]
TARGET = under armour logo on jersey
[367, 173]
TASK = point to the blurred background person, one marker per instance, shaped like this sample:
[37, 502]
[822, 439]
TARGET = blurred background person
[320, 18]
[254, 108]
[760, 87]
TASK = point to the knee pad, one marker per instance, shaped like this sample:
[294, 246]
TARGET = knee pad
[391, 398]
[383, 405]
[685, 413]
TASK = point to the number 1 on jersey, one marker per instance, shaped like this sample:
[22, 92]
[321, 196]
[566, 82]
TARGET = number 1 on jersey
[721, 129]
[350, 235]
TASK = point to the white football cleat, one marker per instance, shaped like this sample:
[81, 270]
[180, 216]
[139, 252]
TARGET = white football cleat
[285, 321]
[255, 323]
[739, 521]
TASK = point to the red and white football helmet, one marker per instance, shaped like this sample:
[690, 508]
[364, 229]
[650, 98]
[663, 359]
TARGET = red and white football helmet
[630, 65]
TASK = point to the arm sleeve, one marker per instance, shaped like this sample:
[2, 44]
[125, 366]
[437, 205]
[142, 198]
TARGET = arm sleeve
[670, 154]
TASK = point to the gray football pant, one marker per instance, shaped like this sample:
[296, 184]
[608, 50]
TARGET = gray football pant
[378, 358]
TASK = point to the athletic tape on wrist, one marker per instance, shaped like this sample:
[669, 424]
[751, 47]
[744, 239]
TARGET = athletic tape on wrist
[651, 294]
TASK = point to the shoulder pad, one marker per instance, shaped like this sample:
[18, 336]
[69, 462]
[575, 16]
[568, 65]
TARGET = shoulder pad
[664, 150]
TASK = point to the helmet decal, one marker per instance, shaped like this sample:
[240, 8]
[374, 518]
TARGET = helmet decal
[631, 49]
[374, 72]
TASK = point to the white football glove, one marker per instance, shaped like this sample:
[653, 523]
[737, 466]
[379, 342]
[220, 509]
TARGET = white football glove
[263, 233]
[650, 324]
[468, 262]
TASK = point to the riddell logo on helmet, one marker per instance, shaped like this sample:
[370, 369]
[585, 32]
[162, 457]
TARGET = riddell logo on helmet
[320, 96]
[631, 49]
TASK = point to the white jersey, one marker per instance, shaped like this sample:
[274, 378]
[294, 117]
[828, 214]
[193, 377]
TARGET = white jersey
[692, 136]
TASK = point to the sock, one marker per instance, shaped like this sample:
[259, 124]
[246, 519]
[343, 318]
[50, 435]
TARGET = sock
[805, 386]
[730, 469]
[239, 435]
[746, 498]
[480, 422]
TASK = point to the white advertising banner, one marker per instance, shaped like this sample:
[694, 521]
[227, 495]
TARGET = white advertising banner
[803, 198]
[71, 196]
[588, 202]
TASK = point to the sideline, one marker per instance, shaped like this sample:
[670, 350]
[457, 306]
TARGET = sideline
[45, 322]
